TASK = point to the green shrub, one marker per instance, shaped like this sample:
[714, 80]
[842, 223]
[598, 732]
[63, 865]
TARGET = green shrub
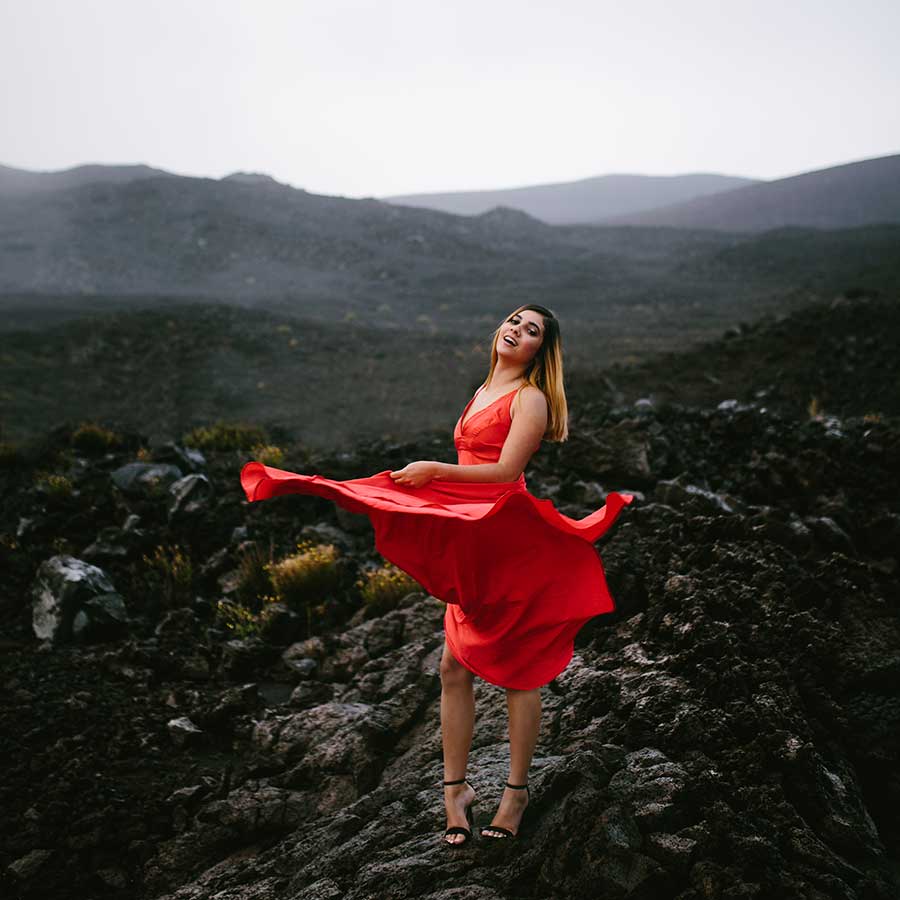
[240, 619]
[306, 580]
[89, 437]
[268, 455]
[56, 487]
[237, 619]
[253, 579]
[171, 574]
[307, 575]
[225, 436]
[383, 588]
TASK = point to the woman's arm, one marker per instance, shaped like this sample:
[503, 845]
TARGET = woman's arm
[524, 438]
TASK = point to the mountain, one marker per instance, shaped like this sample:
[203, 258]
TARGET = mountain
[117, 244]
[253, 178]
[23, 181]
[243, 236]
[845, 196]
[583, 201]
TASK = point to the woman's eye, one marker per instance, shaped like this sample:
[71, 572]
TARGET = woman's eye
[515, 321]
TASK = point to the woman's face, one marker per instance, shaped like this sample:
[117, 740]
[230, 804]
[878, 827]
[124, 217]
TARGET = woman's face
[521, 336]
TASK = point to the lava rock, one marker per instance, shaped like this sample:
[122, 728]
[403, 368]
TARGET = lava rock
[142, 479]
[73, 599]
[190, 496]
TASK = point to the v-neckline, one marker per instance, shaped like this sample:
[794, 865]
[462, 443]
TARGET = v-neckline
[463, 421]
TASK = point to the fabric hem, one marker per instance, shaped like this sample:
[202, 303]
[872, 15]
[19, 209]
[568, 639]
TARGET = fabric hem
[510, 687]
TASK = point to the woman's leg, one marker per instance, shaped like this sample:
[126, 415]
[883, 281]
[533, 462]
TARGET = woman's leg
[457, 726]
[524, 724]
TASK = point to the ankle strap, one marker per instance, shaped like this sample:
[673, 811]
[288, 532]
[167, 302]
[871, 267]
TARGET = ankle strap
[458, 781]
[516, 786]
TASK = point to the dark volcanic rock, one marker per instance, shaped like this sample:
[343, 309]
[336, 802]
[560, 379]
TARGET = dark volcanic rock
[74, 600]
[731, 730]
[137, 477]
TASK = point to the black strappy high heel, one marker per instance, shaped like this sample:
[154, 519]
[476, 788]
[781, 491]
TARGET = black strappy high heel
[458, 829]
[505, 831]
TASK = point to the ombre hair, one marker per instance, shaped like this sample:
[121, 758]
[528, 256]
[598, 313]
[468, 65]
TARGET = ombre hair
[545, 371]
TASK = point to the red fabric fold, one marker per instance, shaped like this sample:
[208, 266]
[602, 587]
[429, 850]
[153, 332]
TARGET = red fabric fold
[519, 578]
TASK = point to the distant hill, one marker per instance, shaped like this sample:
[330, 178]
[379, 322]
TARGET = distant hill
[245, 236]
[577, 202]
[845, 196]
[253, 178]
[24, 181]
[126, 239]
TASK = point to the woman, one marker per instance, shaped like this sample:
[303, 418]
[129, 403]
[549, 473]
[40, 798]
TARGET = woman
[518, 577]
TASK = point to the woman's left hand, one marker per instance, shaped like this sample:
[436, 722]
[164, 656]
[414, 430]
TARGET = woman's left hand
[415, 474]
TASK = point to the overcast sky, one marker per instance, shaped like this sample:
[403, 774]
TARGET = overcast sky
[403, 96]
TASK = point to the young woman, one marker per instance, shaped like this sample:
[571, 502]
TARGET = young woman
[519, 578]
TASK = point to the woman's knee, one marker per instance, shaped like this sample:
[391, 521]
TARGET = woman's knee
[453, 672]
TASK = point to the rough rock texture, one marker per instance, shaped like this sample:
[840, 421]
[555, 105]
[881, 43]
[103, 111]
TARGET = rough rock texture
[732, 730]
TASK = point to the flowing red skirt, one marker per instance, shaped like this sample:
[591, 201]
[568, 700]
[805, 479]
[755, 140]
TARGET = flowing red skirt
[519, 578]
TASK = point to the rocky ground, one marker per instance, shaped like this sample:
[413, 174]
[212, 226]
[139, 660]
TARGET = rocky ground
[732, 730]
[840, 356]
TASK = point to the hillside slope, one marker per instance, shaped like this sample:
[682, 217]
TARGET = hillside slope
[845, 196]
[577, 202]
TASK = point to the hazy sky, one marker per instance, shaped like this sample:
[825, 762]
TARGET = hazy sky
[402, 96]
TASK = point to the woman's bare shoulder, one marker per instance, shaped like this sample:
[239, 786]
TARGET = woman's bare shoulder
[530, 390]
[532, 398]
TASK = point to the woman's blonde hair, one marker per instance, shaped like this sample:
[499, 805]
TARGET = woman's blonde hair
[545, 371]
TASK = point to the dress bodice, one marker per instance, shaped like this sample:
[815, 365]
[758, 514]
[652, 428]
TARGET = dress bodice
[480, 439]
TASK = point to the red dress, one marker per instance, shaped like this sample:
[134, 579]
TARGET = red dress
[519, 578]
